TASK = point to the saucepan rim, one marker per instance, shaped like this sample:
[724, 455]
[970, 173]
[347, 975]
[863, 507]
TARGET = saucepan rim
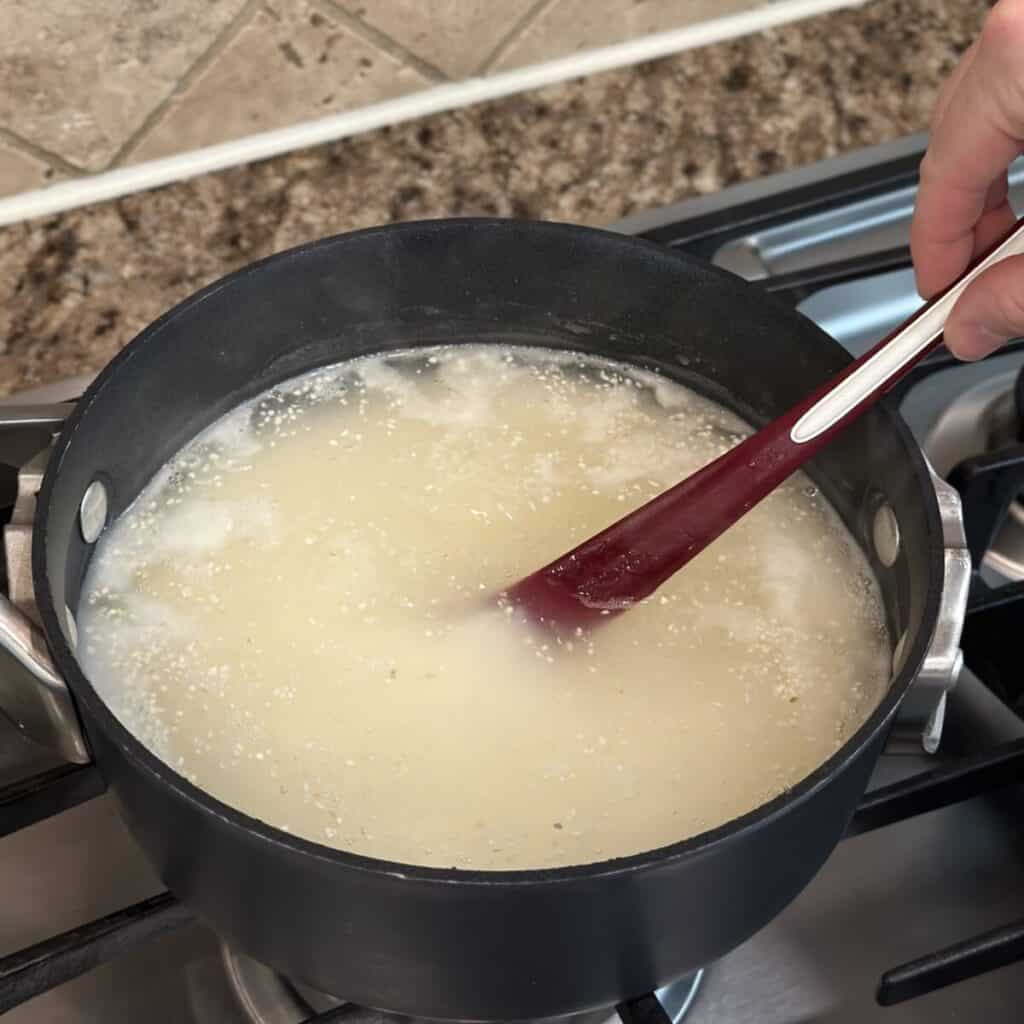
[698, 845]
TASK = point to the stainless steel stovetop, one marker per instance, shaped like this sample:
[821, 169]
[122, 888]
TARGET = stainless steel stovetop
[884, 898]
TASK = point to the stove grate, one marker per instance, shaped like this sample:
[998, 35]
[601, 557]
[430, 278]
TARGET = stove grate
[50, 792]
[998, 948]
[963, 779]
[50, 963]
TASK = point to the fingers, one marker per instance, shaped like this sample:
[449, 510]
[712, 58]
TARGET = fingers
[996, 221]
[951, 84]
[989, 312]
[977, 133]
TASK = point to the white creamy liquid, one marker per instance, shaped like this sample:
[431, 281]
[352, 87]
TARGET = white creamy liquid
[296, 614]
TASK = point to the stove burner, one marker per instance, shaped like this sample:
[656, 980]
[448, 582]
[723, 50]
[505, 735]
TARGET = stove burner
[267, 998]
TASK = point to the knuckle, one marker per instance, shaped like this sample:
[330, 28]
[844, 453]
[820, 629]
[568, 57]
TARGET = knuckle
[995, 299]
[1002, 47]
[921, 233]
[1012, 299]
[1004, 26]
[933, 172]
[998, 296]
[927, 170]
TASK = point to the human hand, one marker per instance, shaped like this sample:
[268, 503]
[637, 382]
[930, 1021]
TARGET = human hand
[977, 130]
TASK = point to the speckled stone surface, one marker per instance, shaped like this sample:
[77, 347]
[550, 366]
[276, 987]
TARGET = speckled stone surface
[75, 288]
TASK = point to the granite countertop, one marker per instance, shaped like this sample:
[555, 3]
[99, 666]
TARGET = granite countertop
[76, 287]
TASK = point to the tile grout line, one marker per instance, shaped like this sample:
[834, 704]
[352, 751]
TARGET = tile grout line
[29, 148]
[528, 18]
[382, 41]
[192, 72]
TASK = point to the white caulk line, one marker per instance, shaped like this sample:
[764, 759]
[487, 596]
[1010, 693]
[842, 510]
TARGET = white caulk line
[154, 173]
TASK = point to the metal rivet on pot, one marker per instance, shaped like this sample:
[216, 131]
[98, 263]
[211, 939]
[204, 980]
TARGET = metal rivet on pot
[71, 628]
[885, 532]
[92, 513]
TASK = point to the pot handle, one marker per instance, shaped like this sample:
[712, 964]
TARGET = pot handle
[920, 720]
[32, 693]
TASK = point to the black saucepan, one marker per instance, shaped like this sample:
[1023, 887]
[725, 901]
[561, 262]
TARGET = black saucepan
[465, 944]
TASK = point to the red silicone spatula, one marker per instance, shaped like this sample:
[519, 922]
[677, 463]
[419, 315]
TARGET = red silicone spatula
[630, 559]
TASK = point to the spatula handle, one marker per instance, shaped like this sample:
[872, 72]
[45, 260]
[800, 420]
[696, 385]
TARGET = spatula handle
[631, 558]
[744, 475]
[879, 369]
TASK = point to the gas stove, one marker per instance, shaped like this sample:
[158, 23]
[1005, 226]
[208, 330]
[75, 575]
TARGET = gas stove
[918, 915]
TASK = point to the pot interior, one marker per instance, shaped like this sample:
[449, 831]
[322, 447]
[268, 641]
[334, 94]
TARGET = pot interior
[482, 281]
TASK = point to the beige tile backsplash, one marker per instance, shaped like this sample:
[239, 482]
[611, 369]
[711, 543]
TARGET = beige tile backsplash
[87, 85]
[571, 26]
[454, 36]
[20, 171]
[79, 77]
[290, 63]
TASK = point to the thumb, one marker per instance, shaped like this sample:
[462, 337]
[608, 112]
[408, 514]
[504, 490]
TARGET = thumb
[990, 311]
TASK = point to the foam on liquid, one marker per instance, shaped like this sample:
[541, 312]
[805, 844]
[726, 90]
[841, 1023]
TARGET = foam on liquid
[292, 614]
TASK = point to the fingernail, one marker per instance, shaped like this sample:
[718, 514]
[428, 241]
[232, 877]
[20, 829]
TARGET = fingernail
[973, 341]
